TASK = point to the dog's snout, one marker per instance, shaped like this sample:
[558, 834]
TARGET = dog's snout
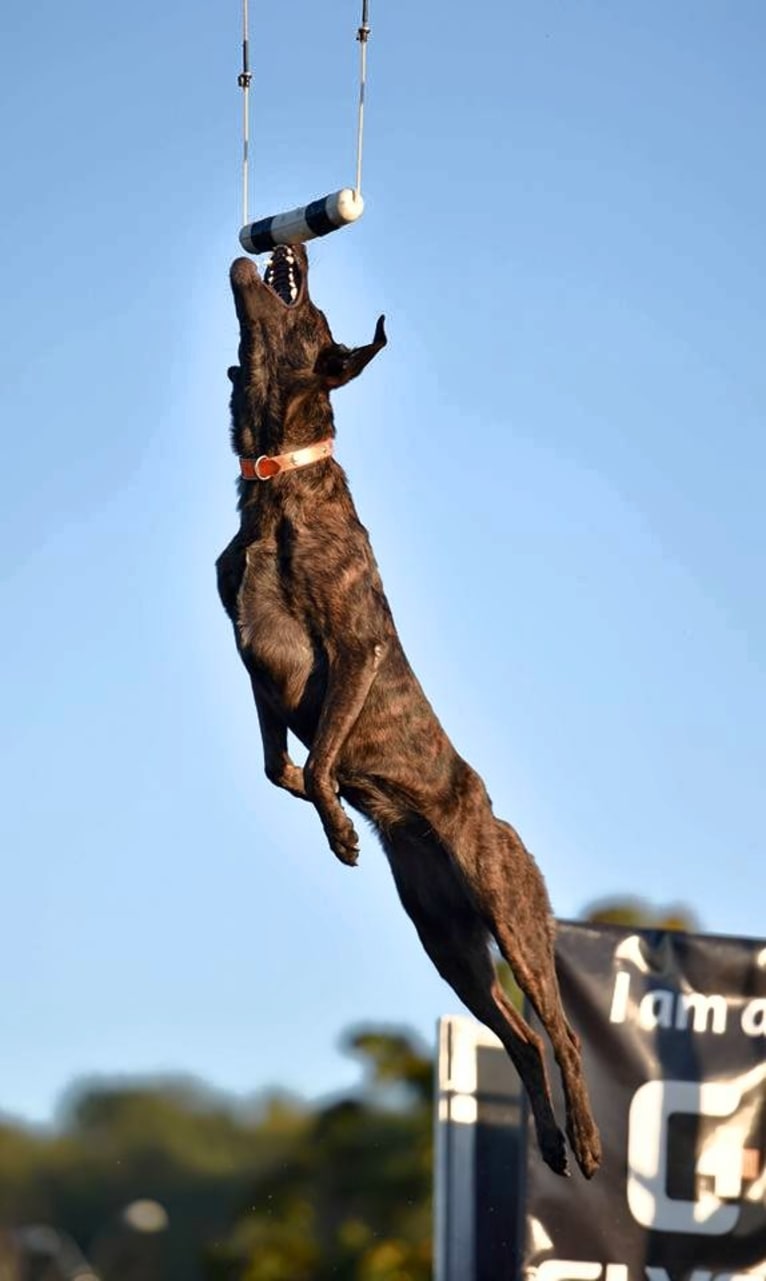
[243, 272]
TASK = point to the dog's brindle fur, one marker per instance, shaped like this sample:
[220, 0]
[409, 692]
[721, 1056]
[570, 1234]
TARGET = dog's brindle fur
[313, 627]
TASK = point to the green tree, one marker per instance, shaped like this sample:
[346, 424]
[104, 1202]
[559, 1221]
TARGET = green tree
[630, 910]
[353, 1200]
[176, 1143]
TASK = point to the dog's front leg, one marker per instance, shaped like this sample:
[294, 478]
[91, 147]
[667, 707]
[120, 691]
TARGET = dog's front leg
[280, 770]
[349, 682]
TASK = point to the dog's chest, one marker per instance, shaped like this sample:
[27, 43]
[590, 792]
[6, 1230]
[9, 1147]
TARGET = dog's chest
[270, 629]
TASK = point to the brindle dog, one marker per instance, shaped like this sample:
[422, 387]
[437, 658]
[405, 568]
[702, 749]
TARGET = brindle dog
[313, 627]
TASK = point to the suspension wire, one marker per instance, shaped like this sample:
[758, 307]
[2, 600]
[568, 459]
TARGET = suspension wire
[245, 77]
[243, 80]
[362, 35]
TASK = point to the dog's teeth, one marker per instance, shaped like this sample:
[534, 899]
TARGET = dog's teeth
[293, 292]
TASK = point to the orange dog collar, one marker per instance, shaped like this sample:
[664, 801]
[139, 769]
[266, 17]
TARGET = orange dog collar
[265, 467]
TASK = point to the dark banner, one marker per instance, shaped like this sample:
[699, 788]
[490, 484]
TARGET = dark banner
[674, 1040]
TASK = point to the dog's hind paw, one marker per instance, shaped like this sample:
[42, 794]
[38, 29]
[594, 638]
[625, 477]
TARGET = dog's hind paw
[586, 1145]
[554, 1153]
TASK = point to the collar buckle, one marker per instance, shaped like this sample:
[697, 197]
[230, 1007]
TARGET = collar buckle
[264, 467]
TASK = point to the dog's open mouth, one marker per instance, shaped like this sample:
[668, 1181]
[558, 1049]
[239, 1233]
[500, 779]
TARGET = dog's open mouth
[283, 275]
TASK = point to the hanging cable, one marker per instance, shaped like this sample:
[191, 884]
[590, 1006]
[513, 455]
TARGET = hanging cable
[362, 35]
[243, 80]
[321, 216]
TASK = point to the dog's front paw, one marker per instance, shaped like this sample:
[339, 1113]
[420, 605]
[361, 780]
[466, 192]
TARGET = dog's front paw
[344, 842]
[292, 781]
[288, 776]
[323, 789]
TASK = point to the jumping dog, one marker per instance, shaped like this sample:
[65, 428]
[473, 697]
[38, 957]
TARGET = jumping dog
[315, 632]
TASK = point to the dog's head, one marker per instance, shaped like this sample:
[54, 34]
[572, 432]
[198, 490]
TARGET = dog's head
[289, 360]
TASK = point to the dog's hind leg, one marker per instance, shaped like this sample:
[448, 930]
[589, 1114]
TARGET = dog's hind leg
[519, 915]
[453, 934]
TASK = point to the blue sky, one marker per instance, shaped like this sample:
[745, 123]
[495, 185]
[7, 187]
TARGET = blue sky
[560, 458]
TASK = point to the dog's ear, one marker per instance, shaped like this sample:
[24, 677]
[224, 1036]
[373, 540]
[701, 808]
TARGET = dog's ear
[233, 373]
[337, 365]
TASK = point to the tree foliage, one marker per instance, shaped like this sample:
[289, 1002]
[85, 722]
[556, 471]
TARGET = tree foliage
[353, 1201]
[631, 910]
[279, 1190]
